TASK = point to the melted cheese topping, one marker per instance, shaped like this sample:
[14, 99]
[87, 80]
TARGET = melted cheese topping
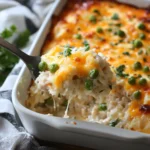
[80, 21]
[79, 63]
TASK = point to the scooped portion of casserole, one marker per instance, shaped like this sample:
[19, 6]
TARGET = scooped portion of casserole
[96, 65]
[73, 82]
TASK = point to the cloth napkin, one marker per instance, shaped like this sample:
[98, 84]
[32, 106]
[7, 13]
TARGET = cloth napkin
[23, 14]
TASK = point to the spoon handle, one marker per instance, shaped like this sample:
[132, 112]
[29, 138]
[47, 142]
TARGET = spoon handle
[13, 49]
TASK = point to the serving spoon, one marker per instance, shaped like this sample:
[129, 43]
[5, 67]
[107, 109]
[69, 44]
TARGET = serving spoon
[30, 61]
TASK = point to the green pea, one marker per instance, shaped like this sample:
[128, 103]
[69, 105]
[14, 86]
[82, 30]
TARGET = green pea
[67, 51]
[137, 66]
[141, 26]
[42, 66]
[146, 69]
[102, 107]
[49, 101]
[78, 36]
[120, 33]
[142, 36]
[132, 80]
[53, 68]
[89, 84]
[137, 43]
[99, 30]
[92, 19]
[142, 81]
[115, 16]
[137, 94]
[93, 73]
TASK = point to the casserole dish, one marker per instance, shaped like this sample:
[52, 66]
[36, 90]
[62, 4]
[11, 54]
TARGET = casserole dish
[66, 130]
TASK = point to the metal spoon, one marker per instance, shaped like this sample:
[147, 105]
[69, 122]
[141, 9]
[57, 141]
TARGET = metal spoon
[30, 61]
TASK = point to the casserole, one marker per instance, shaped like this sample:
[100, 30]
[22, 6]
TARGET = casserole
[65, 125]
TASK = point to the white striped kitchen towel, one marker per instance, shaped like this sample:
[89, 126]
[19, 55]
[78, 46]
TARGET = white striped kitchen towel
[24, 14]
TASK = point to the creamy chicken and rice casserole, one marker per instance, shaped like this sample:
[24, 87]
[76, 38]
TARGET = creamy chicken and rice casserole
[95, 66]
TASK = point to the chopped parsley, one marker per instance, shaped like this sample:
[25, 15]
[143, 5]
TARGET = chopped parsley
[87, 46]
[96, 11]
[120, 70]
[89, 84]
[126, 53]
[102, 107]
[113, 123]
[67, 51]
[93, 74]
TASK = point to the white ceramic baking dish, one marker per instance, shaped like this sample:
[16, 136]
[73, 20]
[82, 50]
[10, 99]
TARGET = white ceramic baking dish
[70, 131]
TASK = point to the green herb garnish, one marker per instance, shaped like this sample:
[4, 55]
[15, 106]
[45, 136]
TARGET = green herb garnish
[126, 53]
[89, 84]
[119, 71]
[93, 73]
[113, 123]
[102, 107]
[96, 11]
[67, 51]
[87, 46]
